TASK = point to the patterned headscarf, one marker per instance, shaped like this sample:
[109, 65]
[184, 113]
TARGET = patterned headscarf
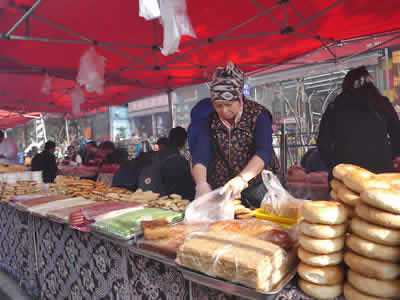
[227, 84]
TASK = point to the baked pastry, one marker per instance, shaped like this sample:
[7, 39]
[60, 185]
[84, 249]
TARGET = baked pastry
[350, 293]
[320, 260]
[347, 196]
[243, 259]
[385, 199]
[371, 268]
[374, 287]
[375, 233]
[321, 246]
[377, 216]
[321, 275]
[320, 231]
[320, 291]
[324, 212]
[341, 170]
[373, 250]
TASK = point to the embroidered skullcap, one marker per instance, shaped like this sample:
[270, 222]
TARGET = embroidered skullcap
[227, 84]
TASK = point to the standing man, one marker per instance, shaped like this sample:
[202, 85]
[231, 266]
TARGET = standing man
[8, 150]
[46, 162]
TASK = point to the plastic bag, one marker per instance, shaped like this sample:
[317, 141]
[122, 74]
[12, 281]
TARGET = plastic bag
[91, 71]
[149, 9]
[46, 85]
[211, 207]
[176, 23]
[77, 98]
[277, 200]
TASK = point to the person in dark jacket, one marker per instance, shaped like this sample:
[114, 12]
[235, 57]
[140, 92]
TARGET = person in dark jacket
[360, 127]
[46, 162]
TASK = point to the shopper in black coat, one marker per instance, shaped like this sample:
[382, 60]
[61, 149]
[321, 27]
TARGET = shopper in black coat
[360, 127]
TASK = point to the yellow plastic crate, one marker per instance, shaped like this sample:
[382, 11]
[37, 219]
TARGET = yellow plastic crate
[285, 222]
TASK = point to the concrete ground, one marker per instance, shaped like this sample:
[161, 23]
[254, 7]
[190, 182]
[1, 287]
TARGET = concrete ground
[9, 288]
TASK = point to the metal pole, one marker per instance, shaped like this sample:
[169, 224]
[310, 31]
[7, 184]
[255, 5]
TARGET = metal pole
[44, 128]
[170, 107]
[387, 72]
[67, 131]
[26, 15]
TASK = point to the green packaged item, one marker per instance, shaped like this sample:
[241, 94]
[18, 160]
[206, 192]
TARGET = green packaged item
[127, 225]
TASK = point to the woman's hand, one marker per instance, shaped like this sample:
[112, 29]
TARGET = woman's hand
[235, 186]
[201, 189]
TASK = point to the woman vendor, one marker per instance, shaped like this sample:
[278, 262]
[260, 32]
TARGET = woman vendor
[234, 143]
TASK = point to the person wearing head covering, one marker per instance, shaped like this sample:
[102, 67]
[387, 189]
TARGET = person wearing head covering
[360, 126]
[236, 145]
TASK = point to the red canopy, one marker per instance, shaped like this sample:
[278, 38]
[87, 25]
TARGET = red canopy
[251, 33]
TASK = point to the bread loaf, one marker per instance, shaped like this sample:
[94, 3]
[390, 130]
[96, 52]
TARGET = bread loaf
[234, 257]
[385, 199]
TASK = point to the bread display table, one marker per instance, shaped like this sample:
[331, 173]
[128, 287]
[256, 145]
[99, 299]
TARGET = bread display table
[52, 261]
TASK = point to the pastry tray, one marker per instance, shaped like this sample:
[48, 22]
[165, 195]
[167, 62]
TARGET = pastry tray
[236, 289]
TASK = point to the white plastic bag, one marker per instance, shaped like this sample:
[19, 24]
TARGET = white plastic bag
[277, 200]
[77, 98]
[149, 9]
[211, 207]
[91, 71]
[46, 85]
[176, 23]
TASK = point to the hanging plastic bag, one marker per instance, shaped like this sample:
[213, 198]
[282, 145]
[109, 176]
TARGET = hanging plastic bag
[176, 23]
[46, 85]
[77, 98]
[91, 71]
[149, 9]
[277, 200]
[211, 207]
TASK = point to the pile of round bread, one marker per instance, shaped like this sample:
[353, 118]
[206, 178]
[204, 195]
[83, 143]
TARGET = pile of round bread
[322, 238]
[373, 240]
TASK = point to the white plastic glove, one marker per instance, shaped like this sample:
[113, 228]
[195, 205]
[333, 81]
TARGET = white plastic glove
[201, 189]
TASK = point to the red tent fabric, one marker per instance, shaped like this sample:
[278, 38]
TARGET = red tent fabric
[12, 119]
[252, 33]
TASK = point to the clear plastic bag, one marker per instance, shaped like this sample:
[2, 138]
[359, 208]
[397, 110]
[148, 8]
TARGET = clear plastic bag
[176, 23]
[91, 71]
[211, 207]
[46, 87]
[277, 200]
[77, 98]
[149, 9]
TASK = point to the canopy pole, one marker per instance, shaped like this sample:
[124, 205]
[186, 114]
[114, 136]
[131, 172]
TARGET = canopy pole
[387, 73]
[26, 15]
[67, 132]
[170, 108]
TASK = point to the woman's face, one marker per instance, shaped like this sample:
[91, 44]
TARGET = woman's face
[227, 110]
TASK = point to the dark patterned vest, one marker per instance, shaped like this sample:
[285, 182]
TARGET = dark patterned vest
[233, 150]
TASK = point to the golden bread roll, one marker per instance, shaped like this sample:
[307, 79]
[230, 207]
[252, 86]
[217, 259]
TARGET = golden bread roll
[351, 293]
[372, 250]
[392, 178]
[370, 267]
[336, 184]
[375, 233]
[374, 287]
[320, 231]
[320, 260]
[357, 179]
[320, 291]
[321, 246]
[341, 170]
[347, 196]
[385, 199]
[333, 195]
[321, 275]
[324, 212]
[377, 216]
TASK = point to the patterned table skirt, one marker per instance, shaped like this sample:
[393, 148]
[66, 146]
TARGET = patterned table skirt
[53, 261]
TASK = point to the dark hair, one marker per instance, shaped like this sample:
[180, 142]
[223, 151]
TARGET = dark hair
[49, 145]
[107, 145]
[162, 141]
[177, 137]
[1, 134]
[359, 86]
